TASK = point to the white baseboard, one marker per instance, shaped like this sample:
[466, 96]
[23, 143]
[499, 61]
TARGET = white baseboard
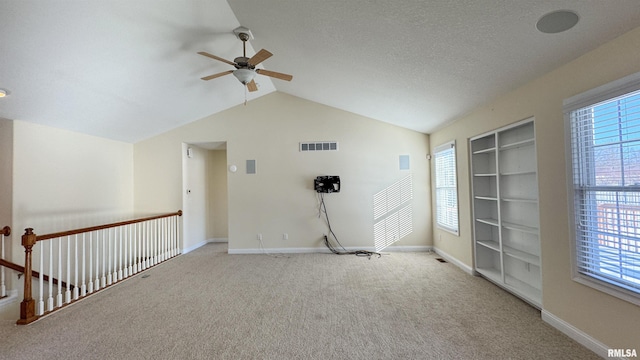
[218, 240]
[308, 250]
[576, 334]
[193, 247]
[466, 268]
[12, 296]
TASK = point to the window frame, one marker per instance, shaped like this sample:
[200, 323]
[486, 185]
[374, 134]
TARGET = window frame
[586, 99]
[437, 150]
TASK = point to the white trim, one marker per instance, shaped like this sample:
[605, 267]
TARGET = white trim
[310, 250]
[576, 334]
[218, 240]
[604, 92]
[466, 268]
[193, 247]
[438, 149]
[12, 296]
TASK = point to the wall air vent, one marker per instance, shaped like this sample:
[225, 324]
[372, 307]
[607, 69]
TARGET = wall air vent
[319, 146]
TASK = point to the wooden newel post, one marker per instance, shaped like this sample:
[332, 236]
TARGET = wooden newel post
[28, 305]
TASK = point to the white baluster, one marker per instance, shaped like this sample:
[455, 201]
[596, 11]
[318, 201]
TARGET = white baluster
[178, 236]
[132, 267]
[126, 252]
[109, 274]
[59, 295]
[40, 307]
[104, 258]
[154, 245]
[145, 246]
[115, 255]
[67, 293]
[75, 261]
[164, 238]
[98, 260]
[3, 288]
[90, 285]
[83, 289]
[120, 254]
[136, 264]
[50, 298]
[174, 246]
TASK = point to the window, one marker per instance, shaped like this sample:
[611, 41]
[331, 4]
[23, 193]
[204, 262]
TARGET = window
[446, 191]
[604, 126]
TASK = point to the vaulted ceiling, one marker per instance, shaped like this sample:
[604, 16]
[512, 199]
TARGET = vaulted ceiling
[128, 70]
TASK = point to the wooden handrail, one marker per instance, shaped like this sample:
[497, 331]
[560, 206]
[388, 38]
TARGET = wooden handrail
[6, 231]
[102, 227]
[35, 274]
[29, 239]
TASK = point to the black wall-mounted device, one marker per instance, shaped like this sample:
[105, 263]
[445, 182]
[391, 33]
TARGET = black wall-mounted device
[327, 184]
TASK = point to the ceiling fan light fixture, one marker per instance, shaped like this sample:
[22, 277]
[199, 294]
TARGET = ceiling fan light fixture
[3, 93]
[244, 75]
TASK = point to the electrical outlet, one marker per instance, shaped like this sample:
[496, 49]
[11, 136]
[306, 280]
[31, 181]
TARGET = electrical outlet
[285, 236]
[260, 237]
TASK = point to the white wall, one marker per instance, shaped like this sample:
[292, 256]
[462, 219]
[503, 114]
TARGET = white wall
[606, 319]
[64, 180]
[280, 198]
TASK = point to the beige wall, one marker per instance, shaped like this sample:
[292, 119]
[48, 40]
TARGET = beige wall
[280, 198]
[64, 180]
[217, 206]
[607, 319]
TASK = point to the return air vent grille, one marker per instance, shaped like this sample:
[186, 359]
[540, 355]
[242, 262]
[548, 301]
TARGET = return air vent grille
[319, 146]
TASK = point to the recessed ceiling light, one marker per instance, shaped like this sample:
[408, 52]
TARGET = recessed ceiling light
[557, 21]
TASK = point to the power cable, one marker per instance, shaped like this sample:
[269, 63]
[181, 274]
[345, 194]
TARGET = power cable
[323, 209]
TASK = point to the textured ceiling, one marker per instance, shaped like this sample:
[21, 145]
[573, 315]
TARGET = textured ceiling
[128, 70]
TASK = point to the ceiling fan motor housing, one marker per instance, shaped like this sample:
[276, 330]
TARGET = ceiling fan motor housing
[242, 62]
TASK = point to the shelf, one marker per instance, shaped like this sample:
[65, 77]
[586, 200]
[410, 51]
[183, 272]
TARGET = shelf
[491, 274]
[484, 151]
[518, 227]
[507, 236]
[493, 245]
[487, 198]
[521, 255]
[513, 173]
[488, 221]
[533, 201]
[524, 290]
[517, 144]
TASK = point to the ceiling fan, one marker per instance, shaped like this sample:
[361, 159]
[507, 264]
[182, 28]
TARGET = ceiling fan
[246, 67]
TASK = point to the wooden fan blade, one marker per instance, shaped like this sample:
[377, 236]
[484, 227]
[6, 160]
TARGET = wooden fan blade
[251, 85]
[259, 57]
[274, 74]
[217, 58]
[218, 75]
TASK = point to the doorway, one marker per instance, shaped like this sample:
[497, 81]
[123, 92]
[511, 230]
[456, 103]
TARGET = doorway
[205, 195]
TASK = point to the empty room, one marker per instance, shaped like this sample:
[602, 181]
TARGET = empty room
[242, 179]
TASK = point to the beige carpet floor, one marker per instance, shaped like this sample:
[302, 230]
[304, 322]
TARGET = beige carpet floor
[211, 305]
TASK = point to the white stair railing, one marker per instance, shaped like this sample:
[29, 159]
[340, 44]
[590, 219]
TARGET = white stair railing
[81, 262]
[5, 231]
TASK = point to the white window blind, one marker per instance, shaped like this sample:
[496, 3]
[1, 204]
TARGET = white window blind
[446, 189]
[605, 166]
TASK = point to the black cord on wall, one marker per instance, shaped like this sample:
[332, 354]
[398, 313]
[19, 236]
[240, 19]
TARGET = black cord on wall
[327, 242]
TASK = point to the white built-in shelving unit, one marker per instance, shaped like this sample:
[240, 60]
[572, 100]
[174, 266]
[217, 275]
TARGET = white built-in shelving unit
[505, 209]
